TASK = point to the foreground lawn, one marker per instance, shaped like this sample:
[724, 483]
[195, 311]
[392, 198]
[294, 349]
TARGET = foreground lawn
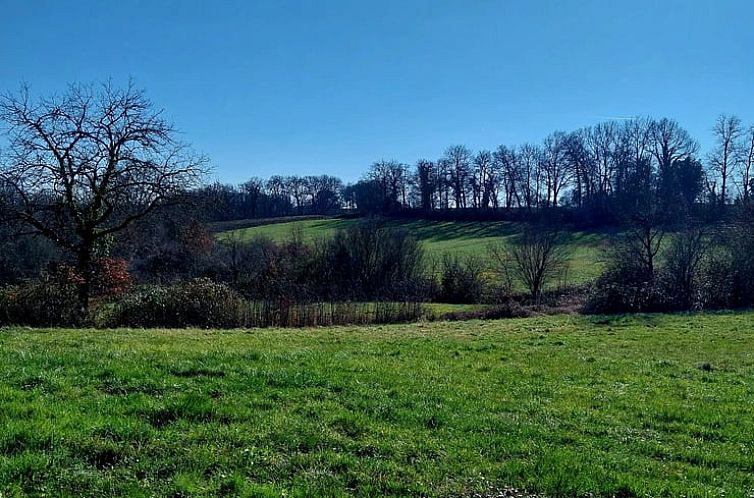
[635, 406]
[439, 238]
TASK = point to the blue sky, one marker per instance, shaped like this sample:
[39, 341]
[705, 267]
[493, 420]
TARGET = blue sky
[311, 87]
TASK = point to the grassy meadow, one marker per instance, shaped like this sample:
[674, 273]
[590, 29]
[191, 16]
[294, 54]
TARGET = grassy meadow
[567, 406]
[439, 238]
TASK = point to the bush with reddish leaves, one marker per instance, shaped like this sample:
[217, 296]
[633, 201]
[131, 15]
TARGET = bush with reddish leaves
[111, 277]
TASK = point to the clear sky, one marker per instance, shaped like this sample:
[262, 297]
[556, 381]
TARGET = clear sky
[308, 87]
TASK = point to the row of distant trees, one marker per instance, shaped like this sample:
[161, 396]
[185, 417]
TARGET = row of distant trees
[276, 196]
[601, 168]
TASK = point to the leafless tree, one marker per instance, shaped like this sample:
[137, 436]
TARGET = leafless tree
[531, 175]
[252, 191]
[425, 182]
[537, 257]
[684, 258]
[442, 179]
[602, 143]
[632, 154]
[277, 186]
[643, 241]
[670, 143]
[483, 179]
[636, 138]
[723, 159]
[508, 167]
[747, 166]
[556, 166]
[392, 177]
[458, 160]
[298, 188]
[583, 166]
[85, 165]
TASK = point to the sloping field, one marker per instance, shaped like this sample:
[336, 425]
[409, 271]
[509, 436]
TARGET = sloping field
[567, 406]
[451, 237]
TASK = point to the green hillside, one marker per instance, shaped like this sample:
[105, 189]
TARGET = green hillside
[449, 237]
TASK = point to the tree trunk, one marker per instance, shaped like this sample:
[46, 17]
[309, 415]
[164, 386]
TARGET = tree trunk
[84, 267]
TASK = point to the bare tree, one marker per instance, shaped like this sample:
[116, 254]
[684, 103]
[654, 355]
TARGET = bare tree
[298, 187]
[531, 175]
[252, 191]
[684, 258]
[636, 138]
[556, 166]
[722, 160]
[747, 166]
[583, 166]
[391, 177]
[670, 143]
[537, 257]
[602, 142]
[85, 165]
[632, 155]
[277, 186]
[482, 179]
[643, 241]
[458, 160]
[508, 166]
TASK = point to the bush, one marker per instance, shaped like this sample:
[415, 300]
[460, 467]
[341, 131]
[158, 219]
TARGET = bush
[41, 303]
[461, 280]
[111, 276]
[682, 277]
[689, 273]
[369, 262]
[537, 257]
[738, 243]
[194, 303]
[620, 290]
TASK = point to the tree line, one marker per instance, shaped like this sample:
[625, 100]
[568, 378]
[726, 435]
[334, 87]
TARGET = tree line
[600, 169]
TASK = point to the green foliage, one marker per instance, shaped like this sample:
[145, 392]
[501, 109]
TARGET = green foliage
[566, 406]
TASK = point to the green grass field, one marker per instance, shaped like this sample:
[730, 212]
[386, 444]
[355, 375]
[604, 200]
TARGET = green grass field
[568, 406]
[451, 237]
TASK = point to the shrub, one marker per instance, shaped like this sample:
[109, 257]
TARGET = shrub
[682, 275]
[674, 281]
[194, 303]
[738, 243]
[111, 276]
[632, 280]
[369, 262]
[537, 258]
[41, 303]
[461, 280]
[621, 290]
